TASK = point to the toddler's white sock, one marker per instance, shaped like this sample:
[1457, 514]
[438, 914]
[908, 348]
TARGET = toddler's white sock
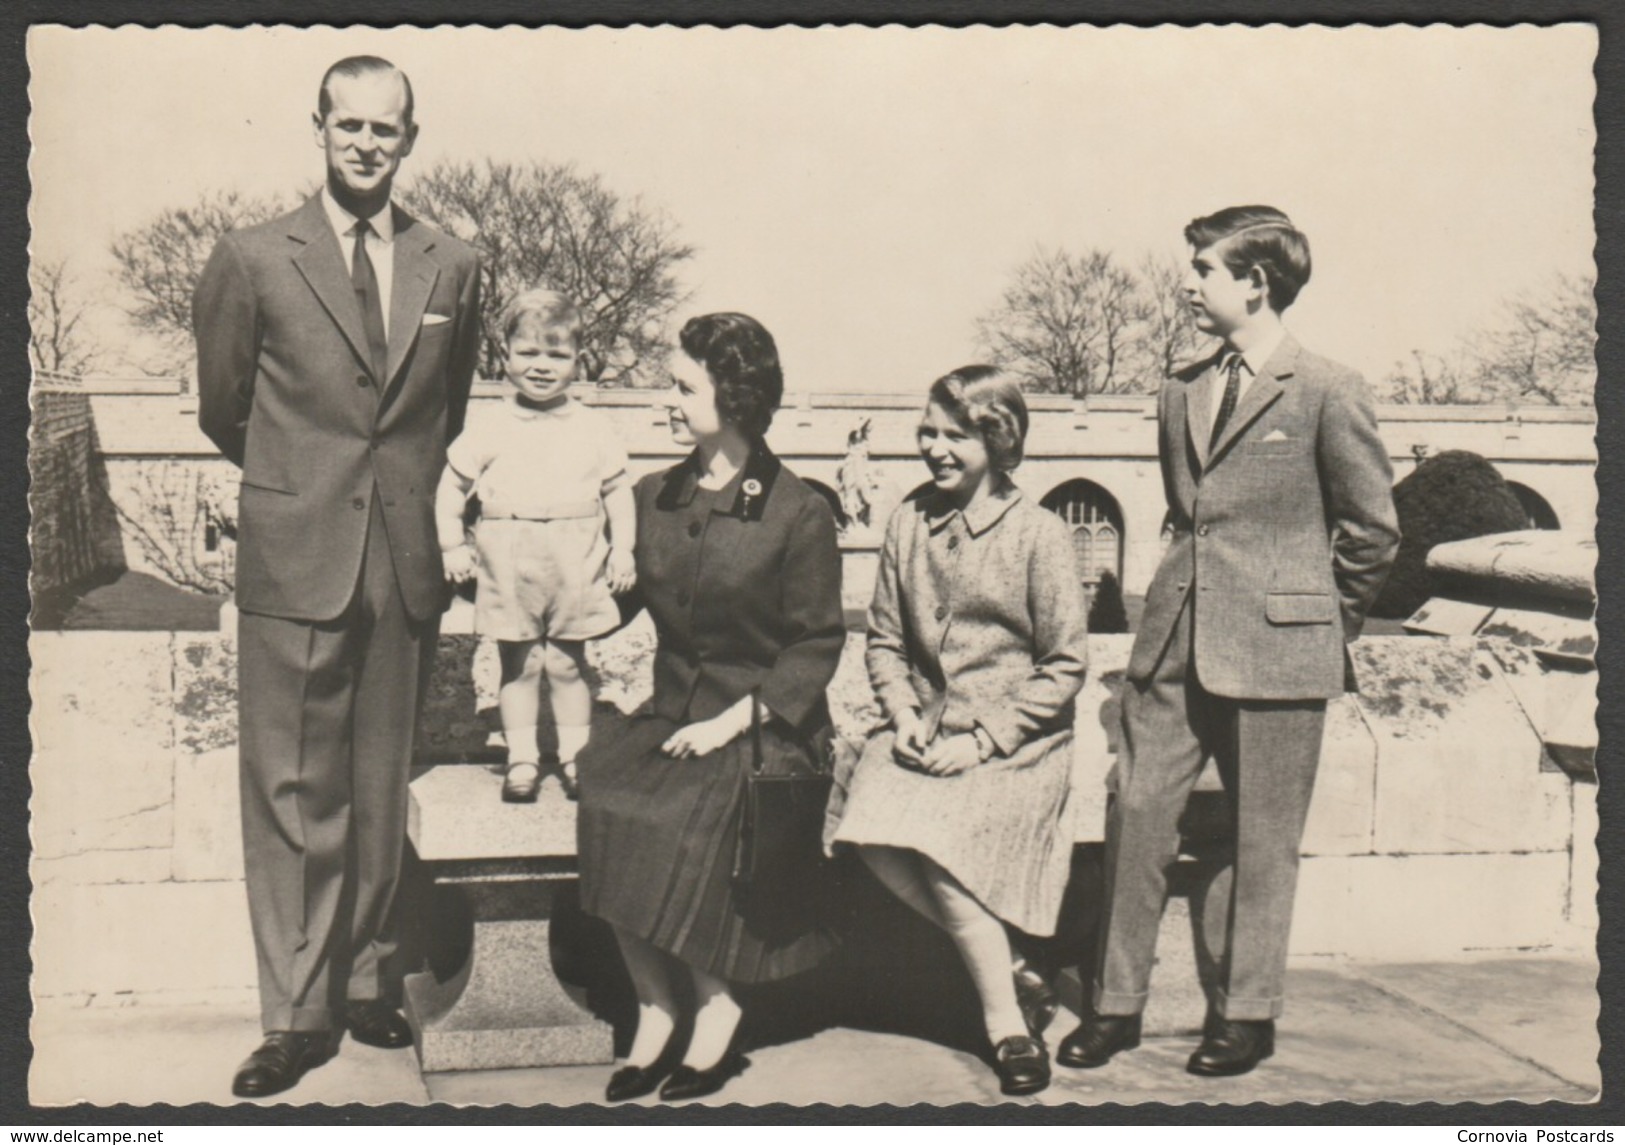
[572, 738]
[522, 745]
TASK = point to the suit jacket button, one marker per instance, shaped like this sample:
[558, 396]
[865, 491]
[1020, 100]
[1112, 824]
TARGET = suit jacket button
[1201, 531]
[359, 503]
[942, 612]
[693, 528]
[363, 380]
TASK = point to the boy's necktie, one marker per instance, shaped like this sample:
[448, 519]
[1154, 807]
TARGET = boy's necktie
[1227, 404]
[372, 307]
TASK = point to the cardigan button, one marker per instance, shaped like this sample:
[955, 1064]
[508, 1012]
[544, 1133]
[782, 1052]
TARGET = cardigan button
[942, 612]
[953, 542]
[694, 528]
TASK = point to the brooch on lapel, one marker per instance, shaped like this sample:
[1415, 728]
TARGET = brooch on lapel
[751, 489]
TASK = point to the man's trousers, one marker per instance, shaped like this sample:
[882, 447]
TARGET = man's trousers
[327, 718]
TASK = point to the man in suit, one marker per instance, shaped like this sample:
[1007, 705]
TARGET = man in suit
[336, 347]
[1284, 530]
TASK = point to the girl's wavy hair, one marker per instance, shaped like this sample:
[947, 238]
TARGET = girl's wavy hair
[988, 402]
[743, 361]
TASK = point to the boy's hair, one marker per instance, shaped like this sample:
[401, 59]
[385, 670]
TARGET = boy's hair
[546, 309]
[1259, 236]
[988, 402]
[743, 361]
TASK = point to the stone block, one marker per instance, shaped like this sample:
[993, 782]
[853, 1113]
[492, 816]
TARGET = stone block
[1582, 905]
[205, 691]
[1442, 616]
[208, 817]
[1458, 762]
[1399, 907]
[87, 868]
[456, 812]
[1343, 811]
[101, 725]
[1095, 733]
[107, 939]
[1568, 640]
[1531, 562]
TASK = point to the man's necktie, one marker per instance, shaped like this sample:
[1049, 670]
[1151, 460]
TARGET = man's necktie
[1227, 404]
[368, 298]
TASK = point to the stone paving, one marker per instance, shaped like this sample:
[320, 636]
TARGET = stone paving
[1519, 1028]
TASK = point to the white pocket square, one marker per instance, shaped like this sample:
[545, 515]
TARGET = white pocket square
[434, 319]
[1276, 435]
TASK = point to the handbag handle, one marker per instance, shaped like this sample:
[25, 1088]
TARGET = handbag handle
[755, 732]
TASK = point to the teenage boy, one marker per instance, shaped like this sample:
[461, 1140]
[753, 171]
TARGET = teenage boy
[1284, 530]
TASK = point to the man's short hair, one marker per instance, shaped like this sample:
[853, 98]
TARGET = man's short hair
[988, 402]
[1258, 236]
[542, 309]
[353, 66]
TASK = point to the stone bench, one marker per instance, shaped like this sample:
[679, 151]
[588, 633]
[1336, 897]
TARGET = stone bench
[502, 1007]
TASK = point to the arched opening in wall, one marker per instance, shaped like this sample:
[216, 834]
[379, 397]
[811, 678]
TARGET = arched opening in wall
[1535, 507]
[1096, 520]
[831, 497]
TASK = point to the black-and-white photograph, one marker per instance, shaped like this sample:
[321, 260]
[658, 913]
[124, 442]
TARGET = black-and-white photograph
[891, 566]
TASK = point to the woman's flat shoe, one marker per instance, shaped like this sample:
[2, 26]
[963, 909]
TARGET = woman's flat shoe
[1022, 1065]
[1037, 998]
[521, 781]
[635, 1081]
[686, 1082]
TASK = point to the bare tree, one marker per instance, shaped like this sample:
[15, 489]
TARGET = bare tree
[548, 224]
[159, 263]
[56, 343]
[1168, 336]
[1068, 324]
[1544, 349]
[1432, 379]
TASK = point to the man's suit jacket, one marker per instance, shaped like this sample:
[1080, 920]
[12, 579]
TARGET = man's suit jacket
[1284, 531]
[286, 391]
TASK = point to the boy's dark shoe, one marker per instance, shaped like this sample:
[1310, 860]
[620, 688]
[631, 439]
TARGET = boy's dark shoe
[377, 1023]
[1230, 1048]
[279, 1063]
[1097, 1038]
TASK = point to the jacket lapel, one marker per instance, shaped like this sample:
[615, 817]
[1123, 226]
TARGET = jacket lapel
[415, 275]
[1260, 395]
[322, 263]
[1198, 401]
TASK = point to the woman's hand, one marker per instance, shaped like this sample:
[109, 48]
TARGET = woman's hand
[910, 746]
[952, 755]
[706, 736]
[623, 570]
[459, 562]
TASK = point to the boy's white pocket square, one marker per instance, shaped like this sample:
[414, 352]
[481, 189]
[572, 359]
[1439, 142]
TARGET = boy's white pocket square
[434, 319]
[1276, 435]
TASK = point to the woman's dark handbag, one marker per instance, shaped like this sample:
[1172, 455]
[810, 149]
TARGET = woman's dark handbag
[780, 831]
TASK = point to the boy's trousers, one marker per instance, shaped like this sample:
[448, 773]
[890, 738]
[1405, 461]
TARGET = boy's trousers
[1267, 752]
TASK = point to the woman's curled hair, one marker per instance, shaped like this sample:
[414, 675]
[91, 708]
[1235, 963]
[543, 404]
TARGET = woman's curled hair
[743, 362]
[988, 402]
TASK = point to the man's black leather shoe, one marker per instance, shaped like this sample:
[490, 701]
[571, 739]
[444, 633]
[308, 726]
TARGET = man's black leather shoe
[1097, 1038]
[279, 1063]
[377, 1023]
[1022, 1065]
[1229, 1048]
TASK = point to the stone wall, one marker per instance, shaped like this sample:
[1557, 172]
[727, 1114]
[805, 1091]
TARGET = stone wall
[74, 533]
[1438, 824]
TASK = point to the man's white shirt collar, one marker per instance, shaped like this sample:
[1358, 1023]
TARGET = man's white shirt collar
[343, 222]
[1257, 356]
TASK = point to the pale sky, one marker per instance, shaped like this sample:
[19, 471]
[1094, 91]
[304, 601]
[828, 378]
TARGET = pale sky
[866, 193]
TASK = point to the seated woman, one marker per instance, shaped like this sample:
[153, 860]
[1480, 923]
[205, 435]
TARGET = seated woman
[977, 648]
[738, 565]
